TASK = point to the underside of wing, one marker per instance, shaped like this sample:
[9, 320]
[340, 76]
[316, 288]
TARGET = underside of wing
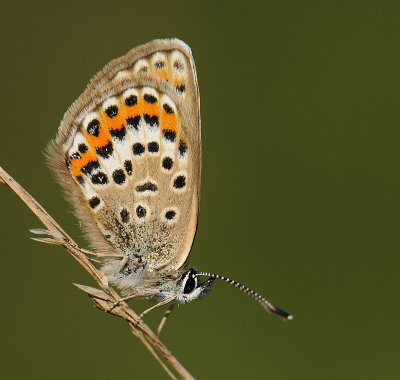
[128, 155]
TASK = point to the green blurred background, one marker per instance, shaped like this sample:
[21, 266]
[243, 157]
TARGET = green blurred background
[300, 189]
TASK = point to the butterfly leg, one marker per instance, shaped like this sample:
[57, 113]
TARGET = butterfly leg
[162, 303]
[123, 263]
[124, 259]
[55, 238]
[115, 304]
[164, 318]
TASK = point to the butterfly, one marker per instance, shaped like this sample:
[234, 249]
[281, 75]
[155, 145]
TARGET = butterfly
[128, 156]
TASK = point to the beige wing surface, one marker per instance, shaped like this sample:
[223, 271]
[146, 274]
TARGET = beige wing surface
[128, 154]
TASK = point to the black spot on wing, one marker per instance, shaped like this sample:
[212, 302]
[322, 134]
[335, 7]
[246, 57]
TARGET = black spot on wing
[75, 156]
[151, 120]
[93, 128]
[133, 122]
[182, 148]
[138, 149]
[170, 214]
[118, 133]
[167, 108]
[125, 215]
[153, 147]
[180, 182]
[118, 176]
[131, 100]
[90, 166]
[149, 98]
[112, 111]
[80, 180]
[99, 179]
[105, 151]
[94, 201]
[178, 65]
[82, 148]
[128, 166]
[167, 163]
[140, 211]
[148, 186]
[169, 135]
[181, 88]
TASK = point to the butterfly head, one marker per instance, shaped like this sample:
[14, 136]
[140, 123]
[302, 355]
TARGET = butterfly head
[190, 288]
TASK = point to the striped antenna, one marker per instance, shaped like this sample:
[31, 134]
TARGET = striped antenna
[272, 309]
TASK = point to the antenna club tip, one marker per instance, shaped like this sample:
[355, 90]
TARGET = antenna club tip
[290, 318]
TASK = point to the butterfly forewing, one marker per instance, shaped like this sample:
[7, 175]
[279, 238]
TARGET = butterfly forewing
[128, 153]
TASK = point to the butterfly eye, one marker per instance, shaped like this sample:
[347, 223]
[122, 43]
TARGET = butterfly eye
[190, 284]
[190, 281]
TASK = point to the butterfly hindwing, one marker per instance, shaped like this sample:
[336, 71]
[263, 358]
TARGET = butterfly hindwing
[128, 154]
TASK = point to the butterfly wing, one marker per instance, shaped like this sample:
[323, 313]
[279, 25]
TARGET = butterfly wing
[128, 155]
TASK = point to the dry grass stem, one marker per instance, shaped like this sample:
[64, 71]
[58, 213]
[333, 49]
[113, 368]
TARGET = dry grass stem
[102, 298]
